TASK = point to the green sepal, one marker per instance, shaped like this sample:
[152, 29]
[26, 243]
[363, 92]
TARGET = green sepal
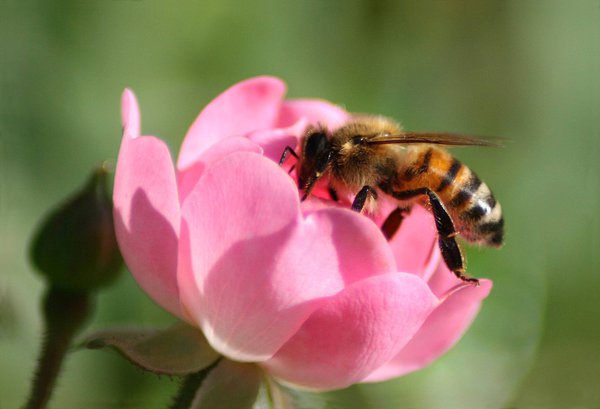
[177, 350]
[229, 385]
[75, 246]
[273, 395]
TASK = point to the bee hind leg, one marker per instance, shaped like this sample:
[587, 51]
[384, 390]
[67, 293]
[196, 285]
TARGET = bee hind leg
[451, 252]
[361, 198]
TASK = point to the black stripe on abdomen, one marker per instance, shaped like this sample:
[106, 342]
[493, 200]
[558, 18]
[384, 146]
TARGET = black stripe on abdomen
[466, 192]
[478, 210]
[413, 171]
[493, 232]
[450, 175]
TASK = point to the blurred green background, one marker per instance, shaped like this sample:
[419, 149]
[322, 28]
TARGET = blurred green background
[525, 70]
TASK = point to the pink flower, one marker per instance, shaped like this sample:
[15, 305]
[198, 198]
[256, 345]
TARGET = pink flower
[312, 292]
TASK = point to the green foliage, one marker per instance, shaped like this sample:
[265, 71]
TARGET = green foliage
[229, 385]
[178, 350]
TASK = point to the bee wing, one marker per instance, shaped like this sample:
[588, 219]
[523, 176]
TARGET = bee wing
[438, 138]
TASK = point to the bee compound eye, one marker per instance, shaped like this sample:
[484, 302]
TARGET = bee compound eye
[359, 140]
[316, 143]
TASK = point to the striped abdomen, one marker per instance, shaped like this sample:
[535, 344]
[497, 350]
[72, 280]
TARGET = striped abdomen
[476, 214]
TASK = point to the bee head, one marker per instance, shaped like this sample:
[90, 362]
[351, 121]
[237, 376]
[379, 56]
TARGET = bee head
[316, 154]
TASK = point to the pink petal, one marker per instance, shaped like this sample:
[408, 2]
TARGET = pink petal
[146, 211]
[442, 329]
[314, 111]
[360, 247]
[274, 141]
[239, 284]
[130, 114]
[251, 270]
[385, 206]
[358, 330]
[314, 203]
[443, 281]
[245, 107]
[415, 243]
[187, 178]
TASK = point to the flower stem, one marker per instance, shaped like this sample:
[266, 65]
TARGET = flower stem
[189, 387]
[65, 313]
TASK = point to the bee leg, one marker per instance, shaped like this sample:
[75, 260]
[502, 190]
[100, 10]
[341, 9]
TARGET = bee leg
[449, 248]
[361, 198]
[288, 149]
[393, 222]
[333, 194]
[321, 165]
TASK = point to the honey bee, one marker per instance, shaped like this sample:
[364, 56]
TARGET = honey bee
[372, 157]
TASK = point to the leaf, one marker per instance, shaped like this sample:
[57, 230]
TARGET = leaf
[177, 350]
[229, 385]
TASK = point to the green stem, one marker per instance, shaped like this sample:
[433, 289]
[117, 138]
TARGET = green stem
[64, 313]
[189, 387]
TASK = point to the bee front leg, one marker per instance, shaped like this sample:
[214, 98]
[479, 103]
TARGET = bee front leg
[288, 149]
[449, 248]
[361, 198]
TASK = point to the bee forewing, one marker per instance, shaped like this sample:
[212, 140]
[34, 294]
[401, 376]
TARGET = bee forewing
[437, 138]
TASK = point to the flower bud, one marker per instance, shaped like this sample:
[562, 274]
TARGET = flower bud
[75, 246]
